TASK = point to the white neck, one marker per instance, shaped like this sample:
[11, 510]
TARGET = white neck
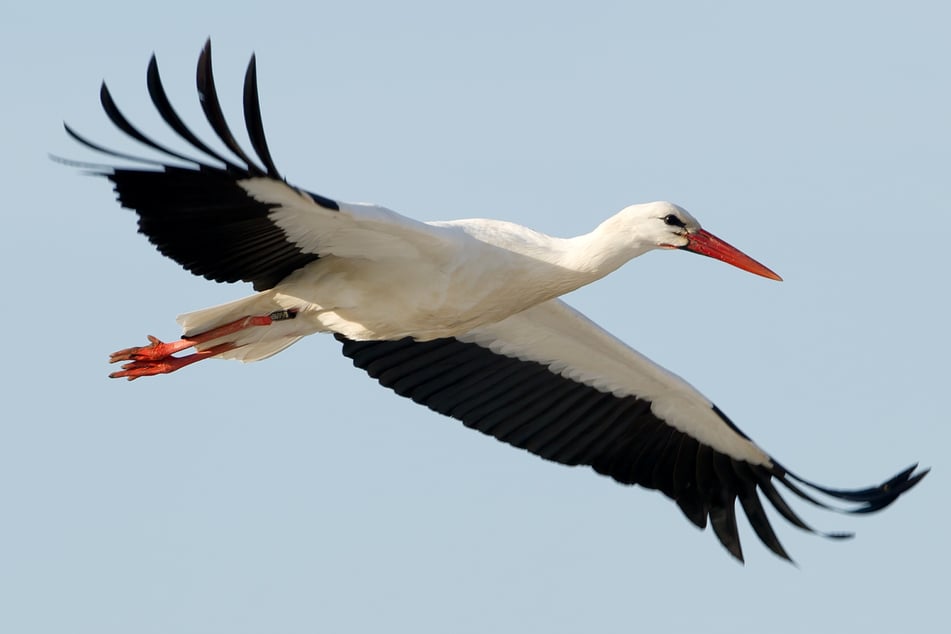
[544, 266]
[603, 250]
[578, 261]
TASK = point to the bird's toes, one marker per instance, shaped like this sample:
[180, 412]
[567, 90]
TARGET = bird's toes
[125, 354]
[156, 350]
[138, 368]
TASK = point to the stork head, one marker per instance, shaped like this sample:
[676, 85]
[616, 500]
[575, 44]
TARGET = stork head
[665, 225]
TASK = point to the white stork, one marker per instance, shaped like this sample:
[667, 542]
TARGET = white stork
[462, 316]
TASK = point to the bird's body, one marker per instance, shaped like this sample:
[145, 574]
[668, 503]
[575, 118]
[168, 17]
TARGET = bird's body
[462, 316]
[384, 276]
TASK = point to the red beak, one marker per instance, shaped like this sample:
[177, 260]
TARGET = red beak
[705, 243]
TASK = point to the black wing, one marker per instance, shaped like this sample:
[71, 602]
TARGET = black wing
[526, 405]
[199, 215]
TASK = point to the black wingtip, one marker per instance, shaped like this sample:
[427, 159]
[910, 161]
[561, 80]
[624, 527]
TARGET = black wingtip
[203, 78]
[873, 498]
[723, 521]
[839, 535]
[164, 106]
[90, 169]
[204, 57]
[253, 120]
[208, 96]
[104, 150]
[753, 507]
[246, 166]
[119, 120]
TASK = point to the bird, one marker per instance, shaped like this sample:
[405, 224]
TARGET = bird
[464, 317]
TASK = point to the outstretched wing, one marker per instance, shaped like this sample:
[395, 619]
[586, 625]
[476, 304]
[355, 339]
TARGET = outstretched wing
[552, 382]
[235, 219]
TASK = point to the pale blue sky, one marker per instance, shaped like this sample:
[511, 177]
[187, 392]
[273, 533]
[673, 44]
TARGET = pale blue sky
[296, 495]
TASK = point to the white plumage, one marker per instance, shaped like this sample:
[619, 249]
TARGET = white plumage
[462, 316]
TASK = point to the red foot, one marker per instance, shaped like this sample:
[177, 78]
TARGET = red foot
[155, 351]
[156, 358]
[150, 367]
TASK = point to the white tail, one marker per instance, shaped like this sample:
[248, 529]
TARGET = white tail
[251, 344]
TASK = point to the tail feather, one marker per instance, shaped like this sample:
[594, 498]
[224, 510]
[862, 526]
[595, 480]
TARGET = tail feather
[203, 320]
[260, 350]
[251, 344]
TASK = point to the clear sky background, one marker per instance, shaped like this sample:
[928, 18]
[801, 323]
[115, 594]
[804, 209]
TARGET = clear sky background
[296, 495]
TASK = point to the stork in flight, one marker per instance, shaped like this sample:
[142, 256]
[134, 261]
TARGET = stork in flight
[462, 316]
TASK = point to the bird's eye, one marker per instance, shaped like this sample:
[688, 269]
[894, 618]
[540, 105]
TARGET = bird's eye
[673, 221]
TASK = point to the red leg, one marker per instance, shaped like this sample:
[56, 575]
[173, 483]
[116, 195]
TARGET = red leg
[156, 358]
